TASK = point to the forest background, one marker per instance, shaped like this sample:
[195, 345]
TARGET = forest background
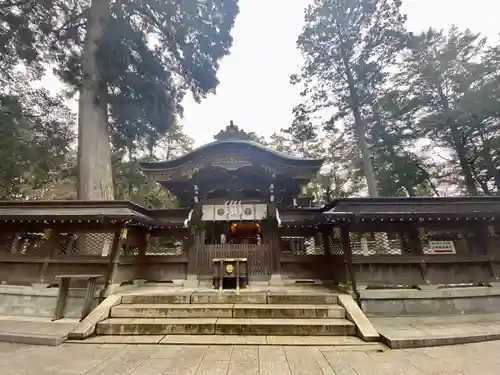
[409, 114]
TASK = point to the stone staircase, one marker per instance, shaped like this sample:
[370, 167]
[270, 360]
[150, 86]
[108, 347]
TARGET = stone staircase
[227, 313]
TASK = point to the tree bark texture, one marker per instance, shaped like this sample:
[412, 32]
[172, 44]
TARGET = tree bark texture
[95, 179]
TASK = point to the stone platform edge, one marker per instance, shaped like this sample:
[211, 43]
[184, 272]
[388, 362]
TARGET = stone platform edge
[437, 293]
[32, 338]
[364, 328]
[87, 327]
[431, 341]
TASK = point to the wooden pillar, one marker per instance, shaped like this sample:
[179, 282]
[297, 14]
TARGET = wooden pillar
[492, 236]
[50, 248]
[198, 236]
[415, 245]
[275, 246]
[276, 250]
[62, 298]
[481, 238]
[198, 240]
[14, 248]
[120, 235]
[327, 248]
[144, 236]
[350, 273]
[469, 239]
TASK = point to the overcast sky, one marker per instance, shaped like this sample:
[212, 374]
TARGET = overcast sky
[254, 88]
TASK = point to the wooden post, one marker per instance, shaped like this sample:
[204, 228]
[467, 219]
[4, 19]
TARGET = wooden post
[237, 275]
[346, 245]
[414, 242]
[271, 235]
[114, 257]
[14, 248]
[198, 240]
[144, 238]
[325, 237]
[51, 246]
[482, 234]
[276, 278]
[89, 296]
[62, 298]
[275, 245]
[193, 253]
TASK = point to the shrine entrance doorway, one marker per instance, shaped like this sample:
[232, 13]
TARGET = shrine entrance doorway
[239, 239]
[233, 233]
[258, 259]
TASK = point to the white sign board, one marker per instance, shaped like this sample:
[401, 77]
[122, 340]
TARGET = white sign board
[442, 247]
[234, 210]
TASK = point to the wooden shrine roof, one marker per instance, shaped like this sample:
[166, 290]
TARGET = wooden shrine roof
[408, 208]
[174, 217]
[73, 210]
[234, 146]
[235, 165]
[340, 210]
[300, 215]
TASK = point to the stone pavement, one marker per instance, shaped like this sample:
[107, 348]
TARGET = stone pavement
[398, 333]
[414, 332]
[70, 359]
[36, 331]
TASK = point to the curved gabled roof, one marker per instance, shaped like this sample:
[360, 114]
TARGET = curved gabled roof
[228, 144]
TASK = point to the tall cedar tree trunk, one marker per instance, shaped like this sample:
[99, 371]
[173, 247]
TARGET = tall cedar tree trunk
[95, 179]
[359, 125]
[381, 239]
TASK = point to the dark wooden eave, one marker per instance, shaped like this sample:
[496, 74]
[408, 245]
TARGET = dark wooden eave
[301, 216]
[173, 217]
[73, 210]
[412, 209]
[241, 146]
[237, 164]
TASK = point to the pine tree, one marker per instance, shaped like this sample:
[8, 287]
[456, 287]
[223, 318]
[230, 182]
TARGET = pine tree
[401, 170]
[348, 46]
[439, 70]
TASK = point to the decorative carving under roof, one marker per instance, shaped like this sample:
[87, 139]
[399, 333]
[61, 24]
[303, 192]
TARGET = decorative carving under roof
[232, 133]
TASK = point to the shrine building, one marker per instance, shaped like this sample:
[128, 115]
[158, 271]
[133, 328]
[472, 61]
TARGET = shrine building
[243, 209]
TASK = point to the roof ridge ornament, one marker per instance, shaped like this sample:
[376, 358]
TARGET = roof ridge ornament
[232, 133]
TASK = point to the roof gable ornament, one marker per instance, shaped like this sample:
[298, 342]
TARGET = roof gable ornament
[232, 133]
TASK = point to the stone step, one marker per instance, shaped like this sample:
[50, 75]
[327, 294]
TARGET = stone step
[288, 311]
[350, 343]
[149, 310]
[298, 298]
[229, 296]
[226, 311]
[232, 297]
[285, 327]
[166, 298]
[226, 326]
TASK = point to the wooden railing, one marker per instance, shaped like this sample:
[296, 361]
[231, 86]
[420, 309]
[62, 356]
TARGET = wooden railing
[259, 258]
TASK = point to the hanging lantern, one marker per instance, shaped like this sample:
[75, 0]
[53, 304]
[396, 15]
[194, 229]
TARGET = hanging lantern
[245, 228]
[421, 232]
[337, 233]
[47, 234]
